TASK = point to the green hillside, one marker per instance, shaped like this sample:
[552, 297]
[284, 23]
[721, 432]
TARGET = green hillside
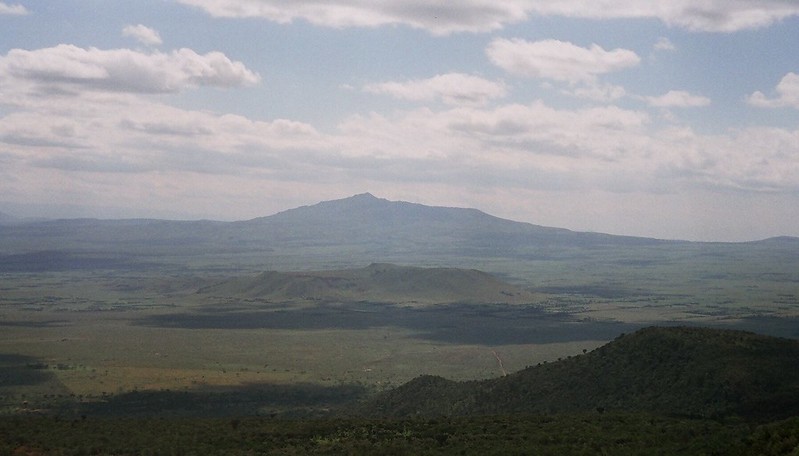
[677, 371]
[375, 283]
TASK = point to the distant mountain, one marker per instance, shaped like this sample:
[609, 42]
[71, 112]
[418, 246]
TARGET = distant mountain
[680, 371]
[6, 218]
[364, 218]
[342, 233]
[780, 240]
[375, 283]
[349, 233]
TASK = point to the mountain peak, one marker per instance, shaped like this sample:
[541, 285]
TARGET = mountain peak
[361, 199]
[364, 196]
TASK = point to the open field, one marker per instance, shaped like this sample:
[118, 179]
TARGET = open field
[90, 336]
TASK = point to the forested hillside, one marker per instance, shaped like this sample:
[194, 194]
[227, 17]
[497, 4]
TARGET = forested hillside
[675, 371]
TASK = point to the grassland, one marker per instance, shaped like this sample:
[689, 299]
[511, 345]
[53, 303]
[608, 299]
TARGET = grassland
[92, 331]
[88, 335]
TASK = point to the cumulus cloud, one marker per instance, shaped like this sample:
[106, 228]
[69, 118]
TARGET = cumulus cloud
[787, 94]
[678, 99]
[558, 60]
[66, 68]
[143, 34]
[487, 15]
[13, 10]
[450, 88]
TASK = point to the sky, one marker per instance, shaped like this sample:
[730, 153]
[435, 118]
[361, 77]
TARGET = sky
[672, 119]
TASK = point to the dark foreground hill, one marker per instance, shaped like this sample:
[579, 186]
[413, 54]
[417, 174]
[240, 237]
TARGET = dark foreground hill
[675, 371]
[375, 283]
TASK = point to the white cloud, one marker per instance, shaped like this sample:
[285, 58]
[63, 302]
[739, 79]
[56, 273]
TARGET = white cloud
[678, 99]
[509, 137]
[537, 146]
[143, 34]
[602, 93]
[694, 15]
[13, 10]
[558, 60]
[754, 159]
[135, 135]
[437, 17]
[787, 94]
[665, 44]
[67, 69]
[487, 15]
[526, 146]
[451, 88]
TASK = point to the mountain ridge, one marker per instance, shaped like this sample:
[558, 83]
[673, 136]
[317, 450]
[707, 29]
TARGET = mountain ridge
[366, 202]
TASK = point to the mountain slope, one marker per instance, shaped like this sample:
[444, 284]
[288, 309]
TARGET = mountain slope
[362, 219]
[375, 283]
[682, 371]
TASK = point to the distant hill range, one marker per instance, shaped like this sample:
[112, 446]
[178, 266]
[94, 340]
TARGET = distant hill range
[348, 232]
[384, 283]
[7, 218]
[678, 371]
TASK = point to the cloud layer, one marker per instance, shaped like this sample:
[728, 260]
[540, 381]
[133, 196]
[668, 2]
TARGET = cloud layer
[487, 15]
[451, 88]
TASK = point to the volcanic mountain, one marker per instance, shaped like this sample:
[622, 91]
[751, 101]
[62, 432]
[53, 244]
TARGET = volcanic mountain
[344, 233]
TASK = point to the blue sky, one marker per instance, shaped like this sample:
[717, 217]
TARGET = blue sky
[671, 119]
